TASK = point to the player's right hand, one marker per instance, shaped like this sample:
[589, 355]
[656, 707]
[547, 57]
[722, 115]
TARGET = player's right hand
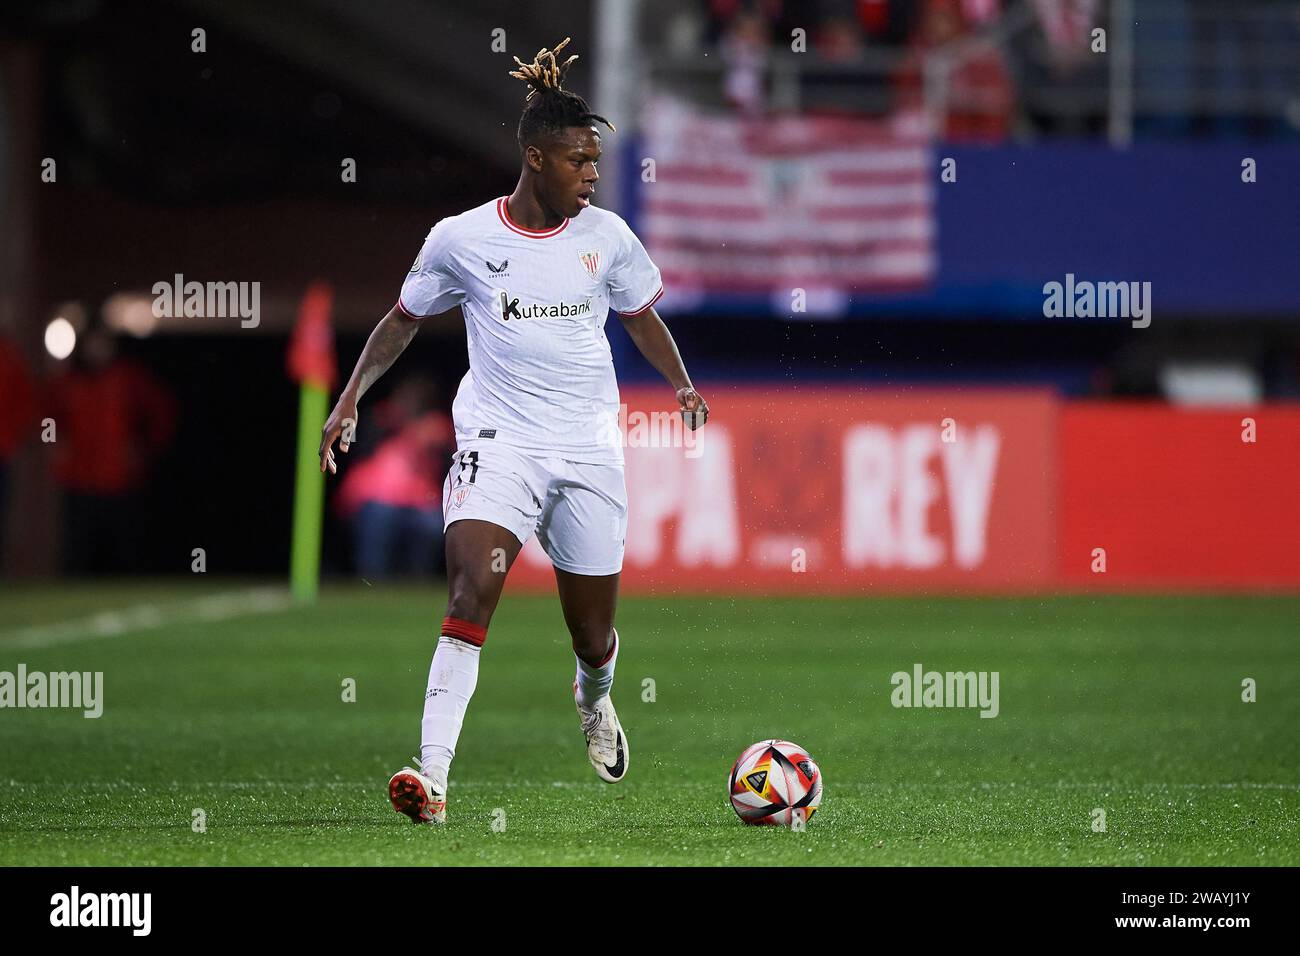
[341, 425]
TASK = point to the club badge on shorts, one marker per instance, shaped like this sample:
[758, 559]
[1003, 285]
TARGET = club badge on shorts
[591, 261]
[460, 494]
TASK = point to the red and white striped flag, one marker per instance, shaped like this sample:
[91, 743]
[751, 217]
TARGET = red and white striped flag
[835, 206]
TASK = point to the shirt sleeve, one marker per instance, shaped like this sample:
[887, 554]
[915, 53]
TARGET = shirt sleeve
[634, 281]
[432, 286]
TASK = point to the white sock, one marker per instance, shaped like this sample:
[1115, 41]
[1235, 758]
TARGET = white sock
[595, 682]
[452, 678]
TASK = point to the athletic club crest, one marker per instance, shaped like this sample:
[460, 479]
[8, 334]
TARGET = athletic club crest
[459, 495]
[591, 262]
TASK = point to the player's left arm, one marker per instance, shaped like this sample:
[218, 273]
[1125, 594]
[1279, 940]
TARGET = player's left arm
[656, 344]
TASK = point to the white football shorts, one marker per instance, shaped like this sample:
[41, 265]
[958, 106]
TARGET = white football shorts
[578, 510]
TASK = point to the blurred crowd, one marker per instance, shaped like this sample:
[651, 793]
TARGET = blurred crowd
[870, 55]
[1007, 62]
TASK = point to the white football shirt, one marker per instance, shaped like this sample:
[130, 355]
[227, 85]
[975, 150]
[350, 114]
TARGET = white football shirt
[541, 377]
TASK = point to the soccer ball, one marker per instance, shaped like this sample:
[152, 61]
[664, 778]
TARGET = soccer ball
[775, 782]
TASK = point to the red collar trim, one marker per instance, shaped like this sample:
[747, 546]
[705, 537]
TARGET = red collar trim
[504, 214]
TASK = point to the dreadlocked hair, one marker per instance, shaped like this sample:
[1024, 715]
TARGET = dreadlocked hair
[549, 107]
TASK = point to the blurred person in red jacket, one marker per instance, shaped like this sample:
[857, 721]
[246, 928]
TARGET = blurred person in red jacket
[17, 415]
[393, 498]
[979, 91]
[113, 419]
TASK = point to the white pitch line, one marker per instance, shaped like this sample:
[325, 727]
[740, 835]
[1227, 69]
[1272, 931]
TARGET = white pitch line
[295, 784]
[149, 617]
[596, 785]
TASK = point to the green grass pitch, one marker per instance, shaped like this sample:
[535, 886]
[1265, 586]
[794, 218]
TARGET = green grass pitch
[1128, 704]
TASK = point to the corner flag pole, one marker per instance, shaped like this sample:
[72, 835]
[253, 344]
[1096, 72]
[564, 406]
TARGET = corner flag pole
[308, 495]
[311, 363]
